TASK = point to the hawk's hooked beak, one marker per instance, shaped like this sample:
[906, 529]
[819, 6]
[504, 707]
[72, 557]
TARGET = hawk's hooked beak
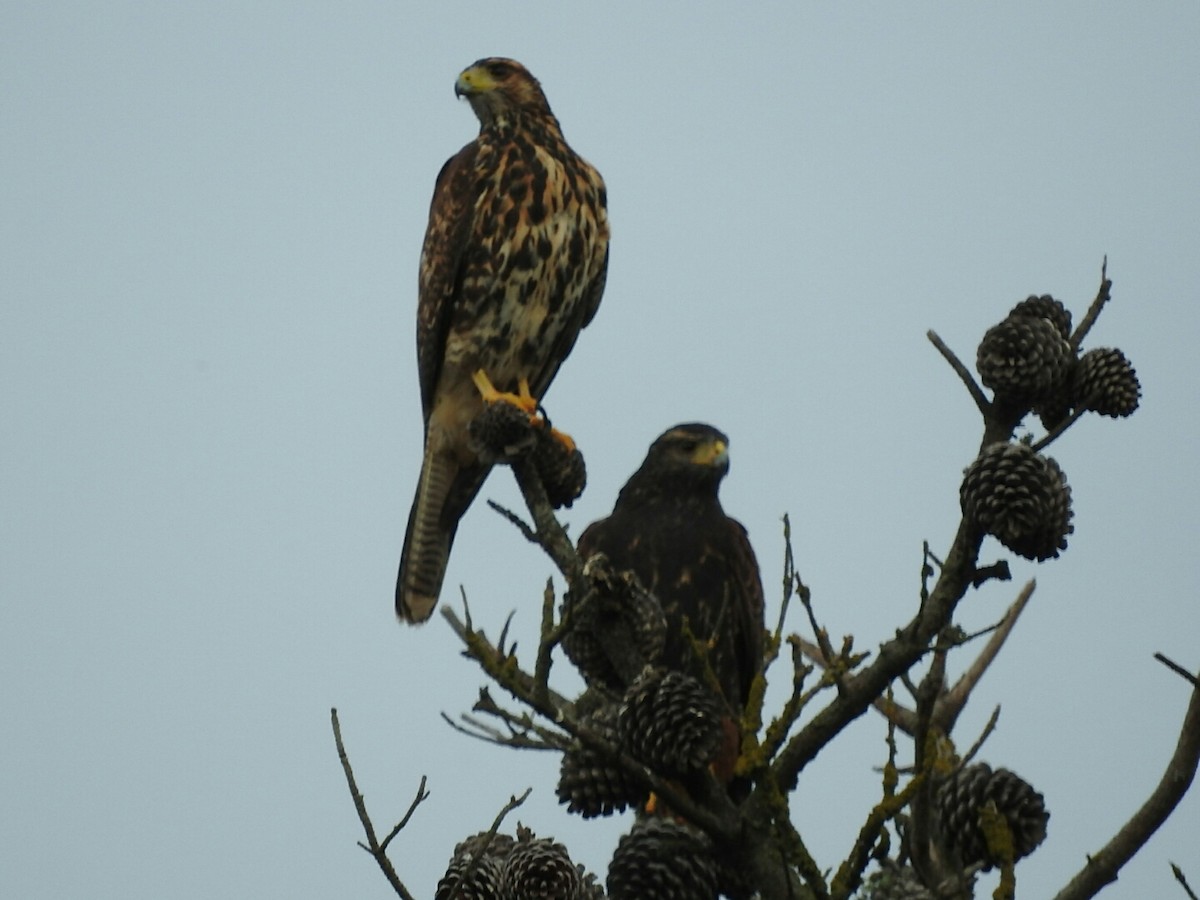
[715, 453]
[473, 80]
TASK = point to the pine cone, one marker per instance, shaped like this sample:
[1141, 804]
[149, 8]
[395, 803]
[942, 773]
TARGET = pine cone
[616, 631]
[1106, 379]
[671, 722]
[498, 846]
[664, 860]
[502, 432]
[965, 793]
[482, 878]
[1054, 409]
[593, 784]
[1024, 359]
[562, 470]
[894, 882]
[1021, 498]
[539, 869]
[1045, 307]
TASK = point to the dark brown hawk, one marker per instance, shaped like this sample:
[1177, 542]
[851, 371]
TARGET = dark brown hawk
[512, 268]
[669, 529]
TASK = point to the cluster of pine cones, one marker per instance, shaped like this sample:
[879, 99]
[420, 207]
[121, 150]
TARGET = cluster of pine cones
[659, 858]
[1029, 362]
[1010, 491]
[663, 719]
[522, 868]
[667, 721]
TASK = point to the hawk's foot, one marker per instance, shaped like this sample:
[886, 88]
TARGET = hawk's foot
[522, 400]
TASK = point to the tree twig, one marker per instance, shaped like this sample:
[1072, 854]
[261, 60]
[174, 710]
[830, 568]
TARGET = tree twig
[549, 637]
[513, 802]
[516, 521]
[964, 374]
[549, 531]
[377, 849]
[983, 736]
[717, 816]
[1102, 868]
[895, 656]
[1177, 669]
[954, 700]
[1103, 295]
[1056, 432]
[1182, 879]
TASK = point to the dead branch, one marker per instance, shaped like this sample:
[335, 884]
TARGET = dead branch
[1103, 295]
[1182, 879]
[713, 811]
[981, 401]
[986, 733]
[895, 657]
[377, 848]
[513, 802]
[1102, 868]
[1178, 669]
[952, 702]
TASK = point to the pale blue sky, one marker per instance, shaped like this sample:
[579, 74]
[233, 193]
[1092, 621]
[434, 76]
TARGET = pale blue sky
[210, 217]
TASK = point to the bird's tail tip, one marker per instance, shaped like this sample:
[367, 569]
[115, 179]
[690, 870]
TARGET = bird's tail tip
[414, 607]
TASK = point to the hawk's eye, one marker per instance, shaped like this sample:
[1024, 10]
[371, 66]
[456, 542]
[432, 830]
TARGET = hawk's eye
[688, 446]
[499, 70]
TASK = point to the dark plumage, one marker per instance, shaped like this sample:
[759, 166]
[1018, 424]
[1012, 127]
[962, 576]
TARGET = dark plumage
[668, 528]
[512, 268]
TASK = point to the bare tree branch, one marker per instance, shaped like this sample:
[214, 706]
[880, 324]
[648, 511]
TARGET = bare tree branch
[713, 812]
[849, 875]
[513, 802]
[549, 531]
[1178, 669]
[1057, 431]
[516, 521]
[1103, 295]
[895, 656]
[1182, 879]
[964, 374]
[1102, 868]
[377, 849]
[986, 733]
[952, 702]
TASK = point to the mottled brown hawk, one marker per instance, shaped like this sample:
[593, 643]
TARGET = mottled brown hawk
[669, 529]
[513, 266]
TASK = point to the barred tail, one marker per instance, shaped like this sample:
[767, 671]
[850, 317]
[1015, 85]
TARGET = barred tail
[427, 540]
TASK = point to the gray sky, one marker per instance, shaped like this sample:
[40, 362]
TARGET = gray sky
[211, 215]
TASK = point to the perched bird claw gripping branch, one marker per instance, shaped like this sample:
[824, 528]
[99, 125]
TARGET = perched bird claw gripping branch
[513, 267]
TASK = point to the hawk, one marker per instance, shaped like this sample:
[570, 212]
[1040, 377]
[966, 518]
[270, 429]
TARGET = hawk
[513, 266]
[669, 529]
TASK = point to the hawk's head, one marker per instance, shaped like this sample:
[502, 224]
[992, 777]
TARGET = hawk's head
[501, 91]
[686, 461]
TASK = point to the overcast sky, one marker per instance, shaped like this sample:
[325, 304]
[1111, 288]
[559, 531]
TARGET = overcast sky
[210, 219]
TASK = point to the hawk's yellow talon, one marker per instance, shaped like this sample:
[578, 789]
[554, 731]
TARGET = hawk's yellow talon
[563, 438]
[486, 389]
[522, 400]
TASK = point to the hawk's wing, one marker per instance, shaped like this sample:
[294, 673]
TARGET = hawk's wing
[745, 581]
[451, 216]
[581, 315]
